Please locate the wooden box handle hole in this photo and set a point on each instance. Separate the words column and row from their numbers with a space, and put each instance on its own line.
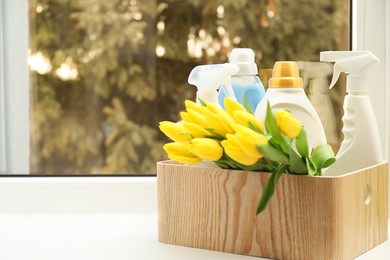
column 367, row 194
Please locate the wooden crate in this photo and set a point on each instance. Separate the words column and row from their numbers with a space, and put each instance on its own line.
column 308, row 217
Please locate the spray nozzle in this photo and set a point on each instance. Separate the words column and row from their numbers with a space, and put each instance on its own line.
column 353, row 63
column 213, row 76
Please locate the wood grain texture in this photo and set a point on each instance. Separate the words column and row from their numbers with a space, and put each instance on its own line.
column 308, row 217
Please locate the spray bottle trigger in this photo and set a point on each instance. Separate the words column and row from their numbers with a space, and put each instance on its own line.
column 337, row 69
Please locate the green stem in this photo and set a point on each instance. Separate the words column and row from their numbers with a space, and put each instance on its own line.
column 269, row 188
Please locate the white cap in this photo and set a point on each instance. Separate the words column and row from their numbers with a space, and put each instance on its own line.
column 245, row 59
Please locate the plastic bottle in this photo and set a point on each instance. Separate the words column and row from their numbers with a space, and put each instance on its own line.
column 285, row 91
column 361, row 146
column 246, row 82
column 209, row 78
column 315, row 82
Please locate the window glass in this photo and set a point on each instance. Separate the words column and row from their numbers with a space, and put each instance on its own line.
column 105, row 72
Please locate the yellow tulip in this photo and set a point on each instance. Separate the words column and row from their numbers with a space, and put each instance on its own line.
column 193, row 106
column 196, row 130
column 206, row 149
column 231, row 106
column 288, row 124
column 192, row 116
column 244, row 118
column 249, row 139
column 180, row 152
column 237, row 154
column 175, row 131
column 241, row 146
column 218, row 120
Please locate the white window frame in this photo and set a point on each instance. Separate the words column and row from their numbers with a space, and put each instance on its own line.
column 371, row 31
column 14, row 87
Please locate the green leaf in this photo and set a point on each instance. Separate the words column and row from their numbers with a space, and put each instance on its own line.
column 272, row 129
column 222, row 164
column 216, row 135
column 202, row 102
column 297, row 163
column 311, row 167
column 260, row 165
column 247, row 107
column 233, row 165
column 272, row 154
column 227, row 162
column 301, row 143
column 254, row 128
column 323, row 157
column 269, row 188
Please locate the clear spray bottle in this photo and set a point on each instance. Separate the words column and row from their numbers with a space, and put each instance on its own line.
column 209, row 78
column 315, row 82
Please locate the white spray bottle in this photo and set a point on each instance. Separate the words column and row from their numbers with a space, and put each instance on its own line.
column 361, row 146
column 209, row 78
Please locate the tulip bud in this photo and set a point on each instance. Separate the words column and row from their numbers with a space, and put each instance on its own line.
column 180, row 152
column 175, row 131
column 193, row 106
column 218, row 120
column 206, row 149
column 231, row 106
column 288, row 124
column 242, row 146
column 192, row 116
column 246, row 119
column 196, row 131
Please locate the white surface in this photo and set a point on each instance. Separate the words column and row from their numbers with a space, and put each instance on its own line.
column 93, row 218
column 102, row 236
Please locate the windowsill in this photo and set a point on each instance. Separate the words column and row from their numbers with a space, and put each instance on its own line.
column 92, row 218
column 45, row 195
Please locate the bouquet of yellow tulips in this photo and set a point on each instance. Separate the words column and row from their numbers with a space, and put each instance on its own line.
column 236, row 139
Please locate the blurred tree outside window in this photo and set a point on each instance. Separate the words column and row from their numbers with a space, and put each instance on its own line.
column 105, row 72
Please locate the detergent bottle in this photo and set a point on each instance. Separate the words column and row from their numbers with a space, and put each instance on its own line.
column 285, row 91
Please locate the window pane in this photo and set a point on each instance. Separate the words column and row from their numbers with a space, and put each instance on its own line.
column 105, row 72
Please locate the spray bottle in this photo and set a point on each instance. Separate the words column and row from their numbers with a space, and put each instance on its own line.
column 209, row 78
column 361, row 146
column 285, row 91
column 315, row 82
column 246, row 82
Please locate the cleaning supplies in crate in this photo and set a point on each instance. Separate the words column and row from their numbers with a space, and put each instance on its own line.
column 361, row 146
